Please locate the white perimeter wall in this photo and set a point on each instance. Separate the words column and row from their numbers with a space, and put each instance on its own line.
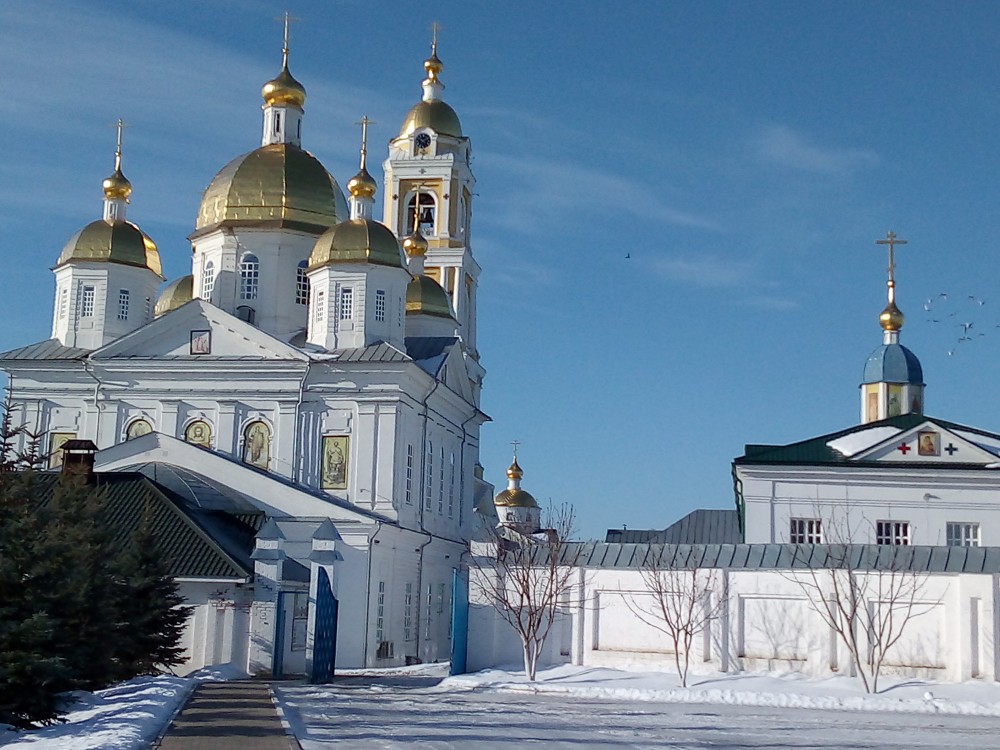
column 764, row 620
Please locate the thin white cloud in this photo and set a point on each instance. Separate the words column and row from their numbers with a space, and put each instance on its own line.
column 706, row 271
column 785, row 147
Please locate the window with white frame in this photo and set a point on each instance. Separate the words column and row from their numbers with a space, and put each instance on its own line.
column 892, row 532
column 320, row 310
column 806, row 531
column 346, row 303
column 429, row 475
column 379, row 305
column 440, row 606
column 208, row 280
column 409, row 474
column 123, row 304
column 427, row 611
column 451, row 488
column 63, row 302
column 963, row 534
column 302, row 284
column 87, row 302
column 249, row 277
column 408, row 612
column 380, row 613
column 441, row 484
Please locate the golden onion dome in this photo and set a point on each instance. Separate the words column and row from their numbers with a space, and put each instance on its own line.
column 891, row 318
column 175, row 294
column 424, row 296
column 112, row 242
column 433, row 65
column 283, row 90
column 414, row 245
column 117, row 186
column 362, row 185
column 514, row 471
column 436, row 115
column 357, row 241
column 275, row 185
column 515, row 498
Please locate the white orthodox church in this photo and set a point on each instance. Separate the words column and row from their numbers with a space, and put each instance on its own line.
column 312, row 388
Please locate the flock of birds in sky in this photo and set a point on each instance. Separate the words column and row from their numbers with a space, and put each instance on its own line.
column 964, row 321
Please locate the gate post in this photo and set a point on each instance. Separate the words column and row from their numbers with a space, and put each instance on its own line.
column 321, row 631
column 266, row 641
column 459, row 622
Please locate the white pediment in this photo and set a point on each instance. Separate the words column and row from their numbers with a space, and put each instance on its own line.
column 456, row 374
column 198, row 330
column 930, row 443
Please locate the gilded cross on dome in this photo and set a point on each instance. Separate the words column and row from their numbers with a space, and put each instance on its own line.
column 288, row 19
column 891, row 240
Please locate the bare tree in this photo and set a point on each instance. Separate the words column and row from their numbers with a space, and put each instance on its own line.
column 680, row 598
column 526, row 579
column 865, row 594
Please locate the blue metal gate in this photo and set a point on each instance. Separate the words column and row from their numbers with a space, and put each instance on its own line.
column 459, row 622
column 325, row 643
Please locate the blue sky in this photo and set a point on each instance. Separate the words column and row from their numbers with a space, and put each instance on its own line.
column 745, row 156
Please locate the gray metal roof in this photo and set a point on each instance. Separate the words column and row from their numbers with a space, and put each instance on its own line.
column 380, row 352
column 921, row 559
column 428, row 347
column 48, row 349
column 703, row 526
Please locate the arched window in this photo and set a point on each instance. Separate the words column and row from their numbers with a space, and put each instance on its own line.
column 208, row 280
column 249, row 276
column 302, row 284
column 199, row 432
column 257, row 444
column 138, row 428
column 428, row 213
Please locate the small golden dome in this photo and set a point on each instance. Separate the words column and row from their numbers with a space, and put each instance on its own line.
column 436, row 115
column 112, row 242
column 357, row 241
column 283, row 90
column 891, row 318
column 515, row 498
column 414, row 245
column 433, row 66
column 362, row 185
column 175, row 294
column 117, row 186
column 514, row 471
column 274, row 185
column 424, row 296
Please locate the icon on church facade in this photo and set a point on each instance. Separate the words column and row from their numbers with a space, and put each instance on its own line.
column 928, row 443
column 56, row 443
column 257, row 445
column 199, row 433
column 334, row 471
column 201, row 342
column 138, row 428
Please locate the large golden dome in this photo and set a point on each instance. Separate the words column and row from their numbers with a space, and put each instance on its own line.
column 436, row 115
column 113, row 242
column 515, row 498
column 274, row 185
column 424, row 296
column 357, row 241
column 176, row 293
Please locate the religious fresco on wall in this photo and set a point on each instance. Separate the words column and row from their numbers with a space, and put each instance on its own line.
column 257, row 444
column 928, row 443
column 199, row 432
column 334, row 470
column 56, row 442
column 138, row 428
column 895, row 400
column 871, row 403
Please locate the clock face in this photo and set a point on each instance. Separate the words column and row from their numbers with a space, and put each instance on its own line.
column 422, row 140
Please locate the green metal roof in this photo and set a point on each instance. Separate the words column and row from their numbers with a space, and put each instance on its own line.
column 189, row 539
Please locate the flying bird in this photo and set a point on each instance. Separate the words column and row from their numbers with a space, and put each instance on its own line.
column 966, row 326
column 979, row 302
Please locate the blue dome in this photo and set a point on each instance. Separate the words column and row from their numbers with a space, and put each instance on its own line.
column 893, row 363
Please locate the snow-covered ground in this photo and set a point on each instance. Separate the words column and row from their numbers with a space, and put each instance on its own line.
column 567, row 706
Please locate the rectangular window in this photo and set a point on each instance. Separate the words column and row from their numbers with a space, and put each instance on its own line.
column 87, row 302
column 440, row 598
column 346, row 303
column 249, row 277
column 123, row 304
column 379, row 306
column 63, row 302
column 408, row 613
column 319, row 312
column 380, row 613
column 301, row 284
column 441, row 485
column 451, row 489
column 427, row 611
column 409, row 474
column 892, row 532
column 429, row 476
column 806, row 531
column 963, row 534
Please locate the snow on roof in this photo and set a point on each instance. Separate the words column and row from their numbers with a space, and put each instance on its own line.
column 855, row 442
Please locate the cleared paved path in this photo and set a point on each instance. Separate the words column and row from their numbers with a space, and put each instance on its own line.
column 227, row 716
